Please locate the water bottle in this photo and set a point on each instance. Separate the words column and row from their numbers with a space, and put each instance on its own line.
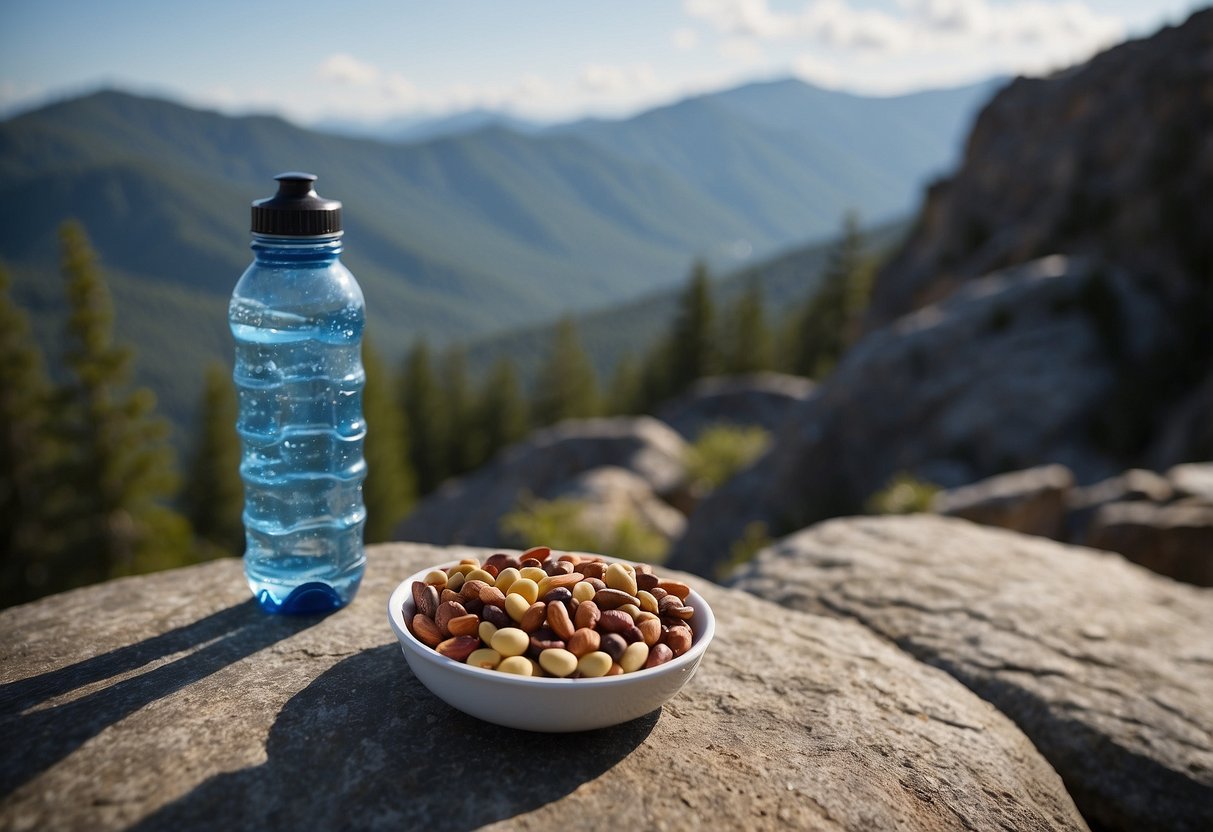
column 297, row 316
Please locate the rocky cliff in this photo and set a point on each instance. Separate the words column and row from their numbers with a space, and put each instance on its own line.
column 1052, row 305
column 1112, row 160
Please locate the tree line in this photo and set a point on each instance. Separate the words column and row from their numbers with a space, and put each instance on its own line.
column 90, row 488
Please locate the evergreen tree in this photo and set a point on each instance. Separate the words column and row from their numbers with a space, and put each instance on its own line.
column 567, row 386
column 501, row 411
column 390, row 488
column 751, row 347
column 26, row 454
column 463, row 443
column 625, row 395
column 214, row 494
column 119, row 465
column 422, row 403
column 829, row 320
column 692, row 348
column 656, row 383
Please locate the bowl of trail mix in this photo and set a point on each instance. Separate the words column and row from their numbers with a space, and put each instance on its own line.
column 548, row 641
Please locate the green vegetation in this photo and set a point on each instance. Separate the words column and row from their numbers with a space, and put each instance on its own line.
column 903, row 494
column 723, row 450
column 829, row 320
column 390, row 488
column 754, row 539
column 567, row 386
column 214, row 496
column 27, row 457
column 559, row 524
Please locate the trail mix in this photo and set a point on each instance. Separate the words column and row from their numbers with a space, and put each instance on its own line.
column 572, row 616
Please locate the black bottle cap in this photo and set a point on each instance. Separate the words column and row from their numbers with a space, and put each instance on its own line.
column 296, row 210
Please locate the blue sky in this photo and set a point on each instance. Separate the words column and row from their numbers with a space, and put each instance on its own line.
column 374, row 59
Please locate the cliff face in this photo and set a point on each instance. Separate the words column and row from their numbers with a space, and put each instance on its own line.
column 986, row 352
column 1113, row 158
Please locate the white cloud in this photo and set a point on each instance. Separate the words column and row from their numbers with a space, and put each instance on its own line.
column 920, row 24
column 685, row 39
column 346, row 69
column 915, row 42
column 611, row 79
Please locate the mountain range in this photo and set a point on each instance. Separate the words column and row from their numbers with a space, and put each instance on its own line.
column 458, row 236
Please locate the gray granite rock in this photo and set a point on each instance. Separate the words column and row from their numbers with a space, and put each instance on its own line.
column 169, row 702
column 1106, row 666
column 1129, row 486
column 760, row 400
column 1032, row 501
column 612, row 495
column 1193, row 479
column 468, row 510
column 1006, row 373
column 1172, row 540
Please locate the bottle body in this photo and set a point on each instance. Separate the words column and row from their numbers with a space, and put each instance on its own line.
column 297, row 316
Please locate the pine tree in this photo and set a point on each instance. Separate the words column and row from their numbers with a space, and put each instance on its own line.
column 501, row 411
column 829, row 320
column 214, row 494
column 26, row 453
column 390, row 488
column 422, row 403
column 625, row 395
column 120, row 465
column 464, row 444
column 567, row 386
column 751, row 347
column 692, row 348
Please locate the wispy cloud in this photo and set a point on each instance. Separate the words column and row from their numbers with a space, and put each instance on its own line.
column 838, row 23
column 840, row 40
column 346, row 69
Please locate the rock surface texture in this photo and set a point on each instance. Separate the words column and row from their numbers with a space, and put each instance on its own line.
column 1032, row 501
column 170, row 702
column 761, row 400
column 1107, row 667
column 469, row 510
column 1174, row 540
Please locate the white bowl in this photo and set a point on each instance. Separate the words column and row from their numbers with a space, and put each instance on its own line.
column 543, row 703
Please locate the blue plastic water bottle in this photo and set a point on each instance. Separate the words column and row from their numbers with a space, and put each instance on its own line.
column 297, row 316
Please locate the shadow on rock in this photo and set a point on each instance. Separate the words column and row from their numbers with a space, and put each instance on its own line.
column 42, row 736
column 367, row 746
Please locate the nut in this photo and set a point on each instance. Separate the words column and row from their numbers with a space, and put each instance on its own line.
column 614, row 621
column 587, row 615
column 610, row 599
column 534, row 617
column 446, row 611
column 558, row 619
column 678, row 639
column 464, row 625
column 425, row 598
column 583, row 642
column 426, row 630
column 658, row 655
column 459, row 647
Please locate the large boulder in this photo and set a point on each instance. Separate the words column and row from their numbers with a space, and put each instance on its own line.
column 1129, row 486
column 1172, row 540
column 169, row 701
column 1032, row 501
column 1193, row 479
column 1010, row 372
column 469, row 509
column 759, row 400
column 612, row 496
column 1106, row 666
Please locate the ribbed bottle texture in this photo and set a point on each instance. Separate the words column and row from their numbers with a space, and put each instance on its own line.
column 297, row 316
